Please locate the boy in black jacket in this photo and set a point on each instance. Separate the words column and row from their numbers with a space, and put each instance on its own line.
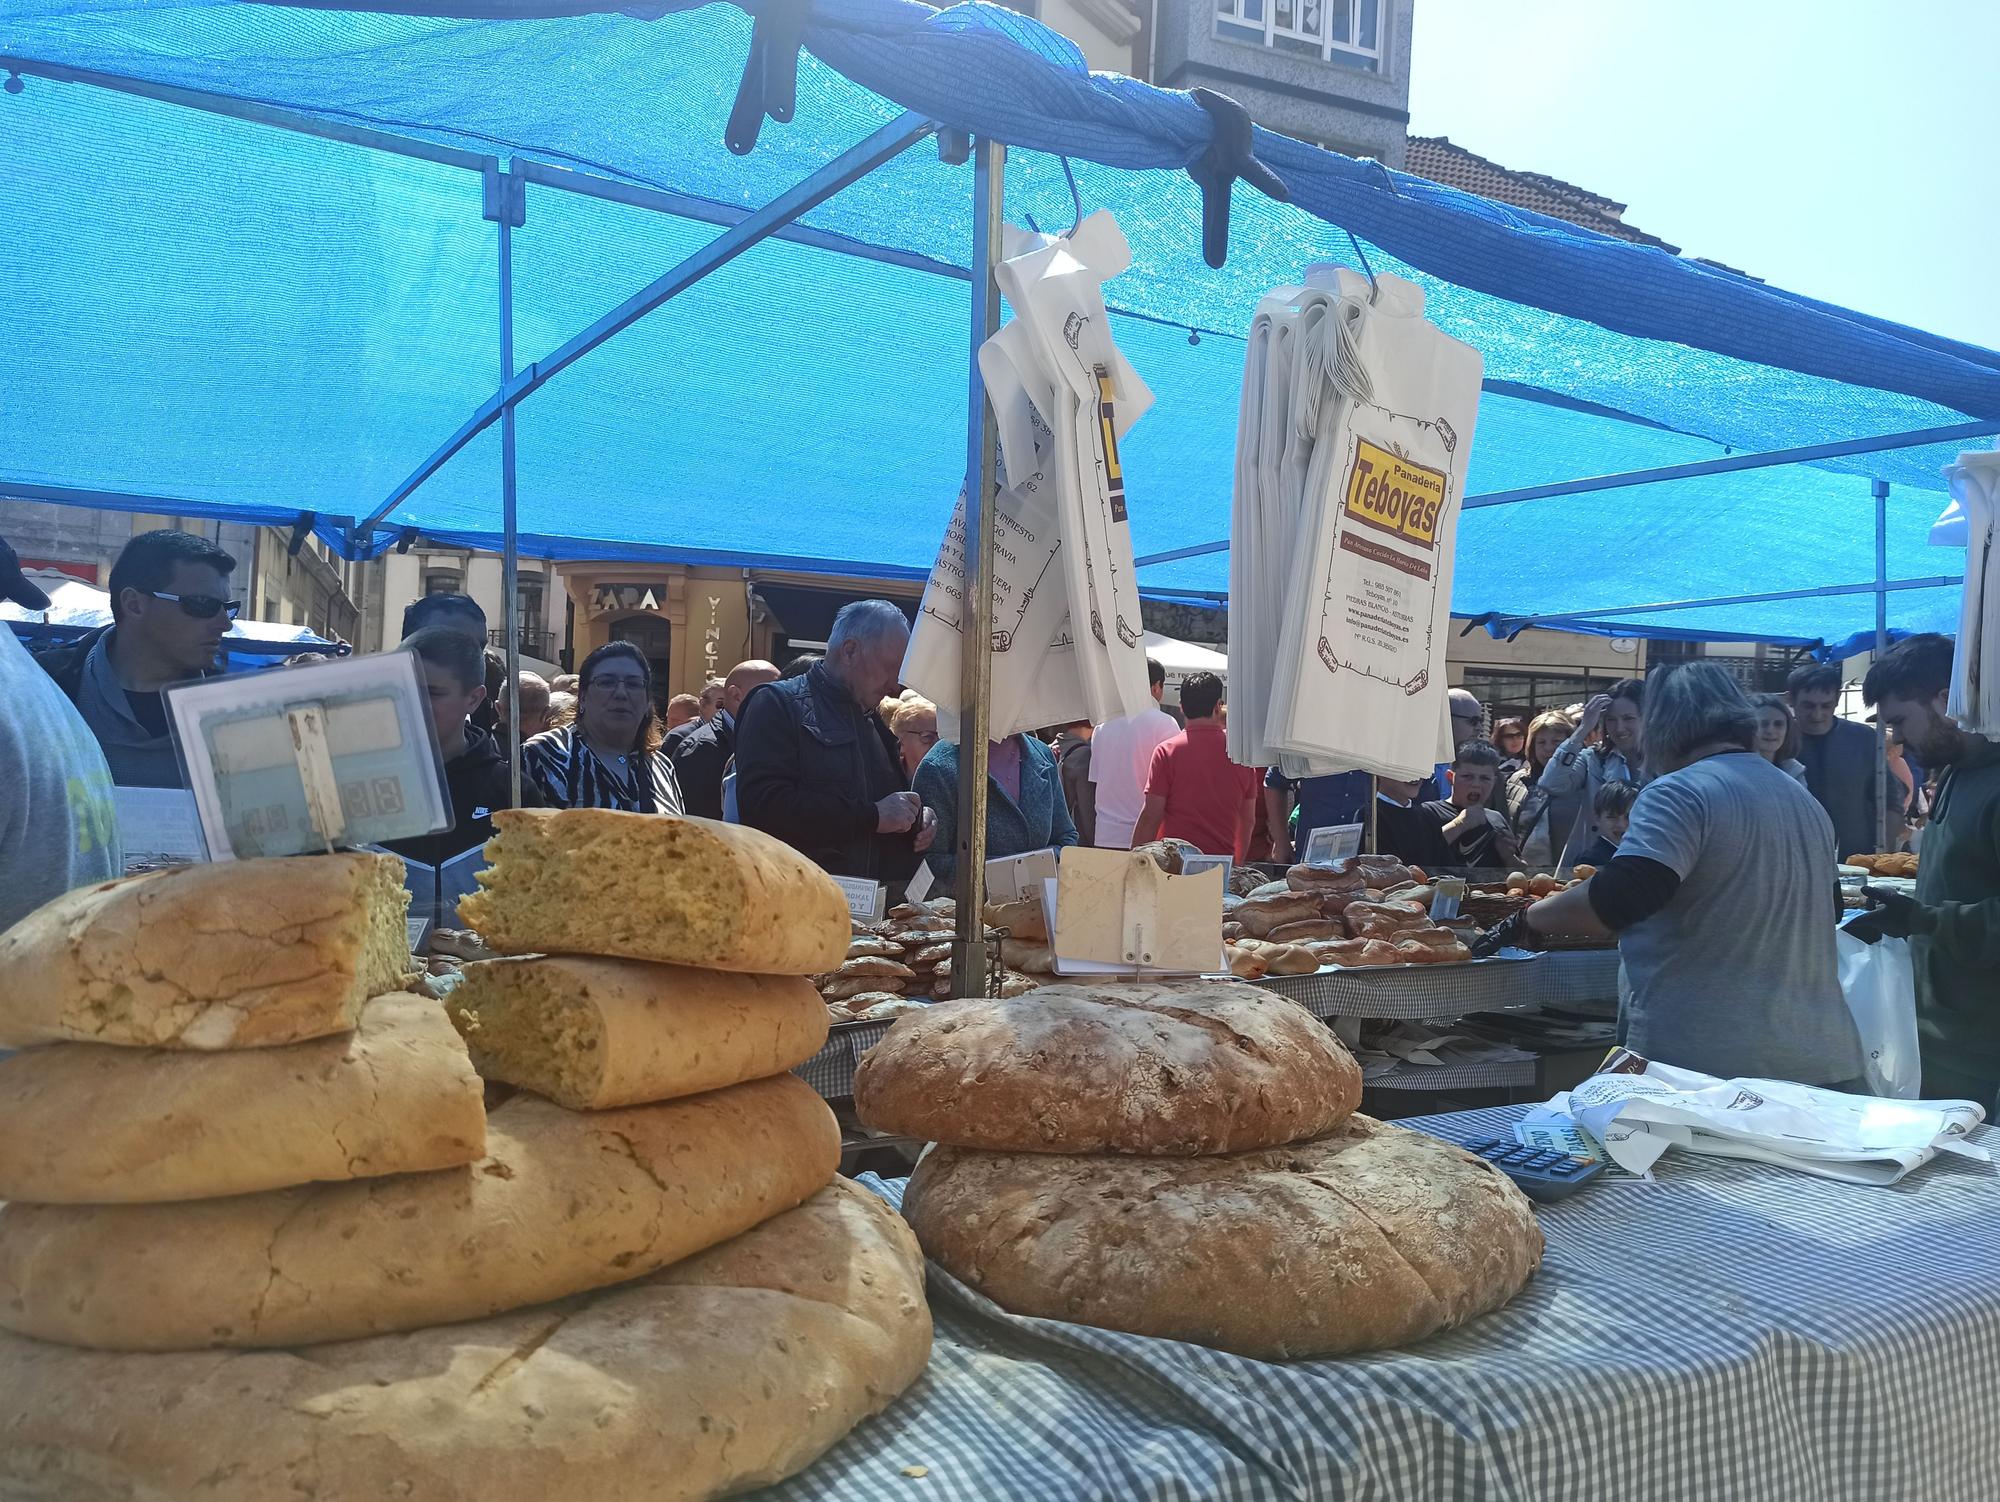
column 475, row 770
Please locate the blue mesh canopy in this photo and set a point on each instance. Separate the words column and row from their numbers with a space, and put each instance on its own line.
column 209, row 315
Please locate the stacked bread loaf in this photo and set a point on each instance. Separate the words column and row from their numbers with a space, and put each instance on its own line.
column 903, row 961
column 663, row 1124
column 1366, row 910
column 1183, row 1160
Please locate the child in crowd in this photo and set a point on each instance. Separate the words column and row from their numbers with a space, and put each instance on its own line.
column 1612, row 804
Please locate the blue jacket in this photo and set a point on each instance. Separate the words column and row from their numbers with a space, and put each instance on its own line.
column 1040, row 820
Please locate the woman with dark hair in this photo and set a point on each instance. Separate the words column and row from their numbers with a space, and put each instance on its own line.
column 1510, row 739
column 610, row 756
column 1778, row 734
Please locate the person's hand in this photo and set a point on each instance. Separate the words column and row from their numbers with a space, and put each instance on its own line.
column 1594, row 711
column 897, row 813
column 1281, row 851
column 1890, row 915
column 1510, row 933
column 926, row 832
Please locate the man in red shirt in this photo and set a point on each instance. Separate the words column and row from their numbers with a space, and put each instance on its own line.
column 1194, row 792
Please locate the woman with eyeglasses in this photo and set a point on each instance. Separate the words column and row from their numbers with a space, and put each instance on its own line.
column 913, row 720
column 609, row 757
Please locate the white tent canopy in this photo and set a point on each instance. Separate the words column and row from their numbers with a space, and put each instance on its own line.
column 1181, row 658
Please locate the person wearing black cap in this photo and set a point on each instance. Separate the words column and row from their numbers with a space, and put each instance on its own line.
column 58, row 820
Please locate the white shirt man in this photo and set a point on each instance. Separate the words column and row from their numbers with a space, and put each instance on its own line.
column 1121, row 754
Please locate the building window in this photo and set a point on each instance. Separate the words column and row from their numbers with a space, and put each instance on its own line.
column 1347, row 32
column 444, row 581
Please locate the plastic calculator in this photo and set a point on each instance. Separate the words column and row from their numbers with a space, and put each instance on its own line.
column 1544, row 1176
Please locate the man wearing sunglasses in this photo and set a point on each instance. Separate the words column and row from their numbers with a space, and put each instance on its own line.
column 170, row 606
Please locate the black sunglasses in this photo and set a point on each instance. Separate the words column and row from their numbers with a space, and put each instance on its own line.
column 201, row 607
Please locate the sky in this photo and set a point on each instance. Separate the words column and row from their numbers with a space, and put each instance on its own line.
column 1848, row 151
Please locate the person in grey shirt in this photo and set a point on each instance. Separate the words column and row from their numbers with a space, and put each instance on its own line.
column 1723, row 896
column 58, row 819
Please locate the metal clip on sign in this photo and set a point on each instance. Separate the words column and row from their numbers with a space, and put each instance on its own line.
column 770, row 85
column 1215, row 171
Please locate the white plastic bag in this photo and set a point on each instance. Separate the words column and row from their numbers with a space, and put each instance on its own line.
column 1879, row 981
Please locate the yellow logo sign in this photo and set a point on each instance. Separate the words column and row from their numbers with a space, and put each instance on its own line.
column 1395, row 496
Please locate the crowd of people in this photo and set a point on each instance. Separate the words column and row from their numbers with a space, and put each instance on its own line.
column 1710, row 816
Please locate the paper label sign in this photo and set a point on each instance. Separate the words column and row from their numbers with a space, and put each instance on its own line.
column 919, row 886
column 1194, row 865
column 1392, row 494
column 158, row 827
column 865, row 898
column 417, row 927
column 291, row 760
column 1332, row 842
column 1009, row 878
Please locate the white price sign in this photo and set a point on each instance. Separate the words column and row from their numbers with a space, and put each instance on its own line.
column 865, row 898
column 1333, row 842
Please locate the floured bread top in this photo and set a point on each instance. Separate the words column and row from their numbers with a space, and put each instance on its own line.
column 1168, row 1068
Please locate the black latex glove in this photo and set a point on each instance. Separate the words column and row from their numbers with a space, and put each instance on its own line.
column 1890, row 915
column 1511, row 933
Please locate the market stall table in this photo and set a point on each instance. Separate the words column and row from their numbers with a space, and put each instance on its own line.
column 1733, row 1330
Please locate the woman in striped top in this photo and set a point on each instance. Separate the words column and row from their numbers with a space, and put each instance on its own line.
column 610, row 757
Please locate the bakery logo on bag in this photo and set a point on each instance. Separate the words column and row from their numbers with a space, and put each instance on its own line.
column 1393, row 495
column 1114, row 468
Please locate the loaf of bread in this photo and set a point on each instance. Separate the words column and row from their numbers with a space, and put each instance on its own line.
column 563, row 1202
column 679, row 891
column 1307, row 928
column 1369, row 1238
column 82, row 1123
column 239, row 954
column 1141, row 1067
column 591, row 1034
column 1339, row 879
column 1381, row 920
column 1259, row 915
column 729, row 1371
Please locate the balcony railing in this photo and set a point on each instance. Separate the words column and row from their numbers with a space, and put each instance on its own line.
column 534, row 643
column 1348, row 32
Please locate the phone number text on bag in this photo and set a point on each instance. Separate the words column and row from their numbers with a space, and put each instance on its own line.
column 1393, row 495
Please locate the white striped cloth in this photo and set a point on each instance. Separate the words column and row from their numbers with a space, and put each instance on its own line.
column 1733, row 1331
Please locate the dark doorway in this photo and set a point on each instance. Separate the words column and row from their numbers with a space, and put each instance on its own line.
column 654, row 637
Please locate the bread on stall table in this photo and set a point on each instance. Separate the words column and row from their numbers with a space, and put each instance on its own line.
column 238, row 954
column 679, row 891
column 83, row 1123
column 564, row 1201
column 591, row 1033
column 1143, row 1067
column 730, row 1370
column 1366, row 1238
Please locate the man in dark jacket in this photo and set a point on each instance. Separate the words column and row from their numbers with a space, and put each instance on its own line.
column 475, row 770
column 1073, row 757
column 170, row 608
column 816, row 766
column 701, row 756
column 1953, row 922
column 1839, row 757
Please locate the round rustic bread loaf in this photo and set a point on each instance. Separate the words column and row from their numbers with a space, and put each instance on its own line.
column 1368, row 1238
column 728, row 1371
column 1148, row 1067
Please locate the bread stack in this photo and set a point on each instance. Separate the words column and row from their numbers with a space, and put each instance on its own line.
column 484, row 1333
column 1183, row 1160
column 903, row 961
column 1367, row 910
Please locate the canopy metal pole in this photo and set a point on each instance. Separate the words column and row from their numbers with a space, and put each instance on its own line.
column 506, row 203
column 1881, row 491
column 968, row 953
column 801, row 198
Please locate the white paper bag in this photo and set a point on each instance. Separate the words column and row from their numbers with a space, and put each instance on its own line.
column 1062, row 396
column 1359, row 675
column 1879, row 981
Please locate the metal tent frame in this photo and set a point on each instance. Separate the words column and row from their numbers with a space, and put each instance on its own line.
column 504, row 203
